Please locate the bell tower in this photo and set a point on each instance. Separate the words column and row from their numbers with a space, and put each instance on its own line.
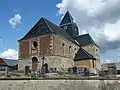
column 70, row 26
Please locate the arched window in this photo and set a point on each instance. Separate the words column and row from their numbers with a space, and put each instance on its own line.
column 70, row 51
column 63, row 50
column 63, row 45
column 75, row 48
column 93, row 63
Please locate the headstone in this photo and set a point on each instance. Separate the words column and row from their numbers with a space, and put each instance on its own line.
column 74, row 70
column 70, row 70
column 43, row 71
column 6, row 71
column 86, row 72
column 53, row 70
column 46, row 67
column 112, row 70
column 27, row 69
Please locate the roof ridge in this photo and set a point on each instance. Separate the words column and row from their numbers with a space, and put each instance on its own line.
column 92, row 40
column 89, row 39
column 30, row 29
column 90, row 55
column 66, row 35
column 11, row 59
column 45, row 20
column 82, row 35
column 70, row 15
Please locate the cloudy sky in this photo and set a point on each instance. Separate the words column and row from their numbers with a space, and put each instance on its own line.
column 100, row 18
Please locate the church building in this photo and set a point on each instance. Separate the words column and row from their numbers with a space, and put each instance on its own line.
column 59, row 47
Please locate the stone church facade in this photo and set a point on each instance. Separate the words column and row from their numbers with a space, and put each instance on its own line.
column 59, row 47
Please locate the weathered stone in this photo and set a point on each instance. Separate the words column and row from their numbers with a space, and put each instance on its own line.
column 59, row 85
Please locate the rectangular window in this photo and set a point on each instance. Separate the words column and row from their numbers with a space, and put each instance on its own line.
column 65, row 27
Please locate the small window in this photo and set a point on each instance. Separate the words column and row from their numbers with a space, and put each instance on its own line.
column 65, row 27
column 75, row 54
column 35, row 44
column 70, row 47
column 63, row 44
column 75, row 29
column 96, row 49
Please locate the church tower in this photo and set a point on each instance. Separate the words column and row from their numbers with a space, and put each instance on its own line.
column 70, row 26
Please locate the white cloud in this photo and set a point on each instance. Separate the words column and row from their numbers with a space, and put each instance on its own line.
column 1, row 41
column 9, row 54
column 112, row 31
column 100, row 18
column 106, row 61
column 109, row 61
column 15, row 20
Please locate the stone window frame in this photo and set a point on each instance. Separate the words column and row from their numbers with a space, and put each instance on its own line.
column 34, row 46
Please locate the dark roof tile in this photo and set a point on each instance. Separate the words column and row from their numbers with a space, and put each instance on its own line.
column 40, row 28
column 85, row 39
column 83, row 55
column 67, row 18
column 44, row 26
column 9, row 62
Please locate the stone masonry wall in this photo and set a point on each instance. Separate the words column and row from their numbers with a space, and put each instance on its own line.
column 52, row 61
column 84, row 63
column 58, row 51
column 59, row 85
column 94, row 50
column 63, row 47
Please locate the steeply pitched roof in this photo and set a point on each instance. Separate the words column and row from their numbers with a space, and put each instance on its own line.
column 67, row 18
column 85, row 39
column 44, row 26
column 83, row 55
column 40, row 28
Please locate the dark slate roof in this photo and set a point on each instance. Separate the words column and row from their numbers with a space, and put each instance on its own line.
column 44, row 26
column 40, row 28
column 67, row 18
column 85, row 39
column 9, row 62
column 83, row 55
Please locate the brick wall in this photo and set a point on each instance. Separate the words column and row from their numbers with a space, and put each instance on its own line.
column 63, row 47
column 58, row 51
column 23, row 49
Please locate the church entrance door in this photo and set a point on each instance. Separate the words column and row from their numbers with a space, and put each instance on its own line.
column 34, row 63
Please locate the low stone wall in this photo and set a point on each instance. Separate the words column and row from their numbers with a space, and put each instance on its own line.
column 59, row 84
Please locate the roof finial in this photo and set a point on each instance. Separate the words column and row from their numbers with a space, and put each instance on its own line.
column 67, row 8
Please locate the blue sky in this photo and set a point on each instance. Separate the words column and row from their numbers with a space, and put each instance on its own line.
column 99, row 18
column 30, row 12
